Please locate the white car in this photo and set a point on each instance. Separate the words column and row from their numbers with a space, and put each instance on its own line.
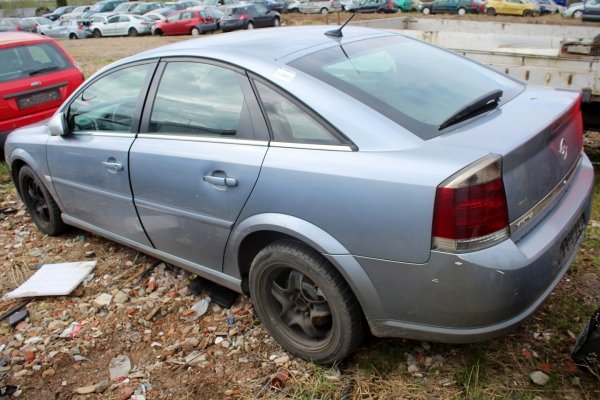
column 121, row 25
column 575, row 10
column 319, row 6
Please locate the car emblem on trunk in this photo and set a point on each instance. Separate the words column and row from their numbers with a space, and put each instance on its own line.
column 563, row 149
column 36, row 83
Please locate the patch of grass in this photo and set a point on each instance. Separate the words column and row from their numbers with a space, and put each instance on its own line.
column 4, row 173
column 382, row 357
column 472, row 376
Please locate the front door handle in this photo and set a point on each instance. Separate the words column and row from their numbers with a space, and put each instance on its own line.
column 115, row 166
column 220, row 180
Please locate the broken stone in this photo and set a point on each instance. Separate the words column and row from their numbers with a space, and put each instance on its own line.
column 120, row 297
column 86, row 389
column 119, row 367
column 103, row 300
column 539, row 378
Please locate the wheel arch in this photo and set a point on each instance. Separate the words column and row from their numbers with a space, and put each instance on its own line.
column 258, row 231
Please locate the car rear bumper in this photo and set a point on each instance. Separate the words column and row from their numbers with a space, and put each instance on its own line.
column 460, row 298
column 14, row 123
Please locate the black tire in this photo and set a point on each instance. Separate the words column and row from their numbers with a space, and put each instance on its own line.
column 73, row 36
column 276, row 22
column 461, row 11
column 491, row 12
column 304, row 303
column 195, row 31
column 132, row 32
column 324, row 11
column 426, row 11
column 528, row 13
column 158, row 32
column 39, row 203
column 250, row 25
column 577, row 14
column 97, row 34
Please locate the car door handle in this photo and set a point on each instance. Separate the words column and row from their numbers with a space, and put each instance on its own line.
column 115, row 166
column 220, row 180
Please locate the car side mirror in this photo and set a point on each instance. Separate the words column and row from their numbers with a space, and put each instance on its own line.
column 57, row 125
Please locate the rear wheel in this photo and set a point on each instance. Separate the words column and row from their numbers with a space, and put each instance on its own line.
column 490, row 12
column 304, row 303
column 39, row 203
column 276, row 22
column 577, row 14
column 132, row 32
column 462, row 11
column 195, row 31
column 97, row 33
column 527, row 13
column 73, row 36
column 158, row 32
column 250, row 25
column 324, row 11
column 426, row 11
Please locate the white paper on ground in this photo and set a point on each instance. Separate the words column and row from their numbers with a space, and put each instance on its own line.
column 54, row 280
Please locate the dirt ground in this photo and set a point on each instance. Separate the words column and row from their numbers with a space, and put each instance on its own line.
column 64, row 348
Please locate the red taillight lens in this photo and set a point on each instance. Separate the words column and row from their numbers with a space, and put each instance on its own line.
column 470, row 209
column 18, row 28
column 473, row 5
column 390, row 5
column 80, row 27
column 243, row 17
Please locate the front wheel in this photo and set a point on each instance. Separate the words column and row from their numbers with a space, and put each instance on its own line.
column 97, row 33
column 132, row 32
column 304, row 302
column 276, row 22
column 462, row 11
column 250, row 25
column 577, row 14
column 426, row 11
column 491, row 12
column 39, row 203
column 73, row 36
column 528, row 13
column 195, row 32
column 324, row 11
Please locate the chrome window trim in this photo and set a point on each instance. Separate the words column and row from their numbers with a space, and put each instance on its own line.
column 308, row 146
column 105, row 134
column 208, row 139
column 534, row 211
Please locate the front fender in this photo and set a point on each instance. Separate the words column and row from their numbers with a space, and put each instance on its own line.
column 318, row 239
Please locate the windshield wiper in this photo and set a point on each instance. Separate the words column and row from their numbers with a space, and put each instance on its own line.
column 484, row 103
column 42, row 70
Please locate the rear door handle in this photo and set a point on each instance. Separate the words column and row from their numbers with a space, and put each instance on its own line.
column 220, row 180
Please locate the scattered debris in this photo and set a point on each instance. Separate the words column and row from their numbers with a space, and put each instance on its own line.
column 17, row 317
column 539, row 378
column 197, row 310
column 71, row 331
column 119, row 367
column 219, row 294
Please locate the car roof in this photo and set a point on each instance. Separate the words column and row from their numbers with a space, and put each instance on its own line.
column 9, row 39
column 266, row 44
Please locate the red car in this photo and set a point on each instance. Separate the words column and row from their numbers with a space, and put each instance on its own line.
column 185, row 22
column 36, row 75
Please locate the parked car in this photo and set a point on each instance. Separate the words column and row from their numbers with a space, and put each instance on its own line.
column 373, row 6
column 77, row 13
column 319, row 6
column 269, row 4
column 575, row 10
column 38, row 22
column 549, row 7
column 121, row 25
column 460, row 7
column 70, row 28
column 511, row 7
column 127, row 7
column 143, row 8
column 405, row 5
column 160, row 14
column 103, row 6
column 248, row 16
column 187, row 22
column 175, row 5
column 190, row 3
column 17, row 24
column 36, row 75
column 447, row 208
column 591, row 11
column 294, row 5
column 56, row 14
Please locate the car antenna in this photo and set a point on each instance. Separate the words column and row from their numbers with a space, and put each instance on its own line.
column 338, row 32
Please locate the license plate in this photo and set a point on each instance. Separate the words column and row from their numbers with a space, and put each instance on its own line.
column 38, row 98
column 569, row 241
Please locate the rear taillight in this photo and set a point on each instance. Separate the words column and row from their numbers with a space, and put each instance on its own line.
column 473, row 5
column 243, row 17
column 79, row 27
column 470, row 210
column 18, row 28
column 390, row 5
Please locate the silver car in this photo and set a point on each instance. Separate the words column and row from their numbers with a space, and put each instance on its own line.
column 347, row 181
column 319, row 6
column 70, row 28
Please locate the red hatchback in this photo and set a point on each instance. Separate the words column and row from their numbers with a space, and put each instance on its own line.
column 187, row 22
column 36, row 76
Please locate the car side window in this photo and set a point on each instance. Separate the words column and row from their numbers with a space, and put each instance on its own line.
column 290, row 123
column 200, row 99
column 123, row 18
column 174, row 17
column 187, row 15
column 109, row 104
column 114, row 19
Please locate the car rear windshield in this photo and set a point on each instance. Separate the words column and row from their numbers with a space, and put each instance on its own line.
column 29, row 61
column 236, row 11
column 412, row 83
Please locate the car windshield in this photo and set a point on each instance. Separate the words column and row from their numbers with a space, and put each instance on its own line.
column 98, row 7
column 412, row 83
column 26, row 61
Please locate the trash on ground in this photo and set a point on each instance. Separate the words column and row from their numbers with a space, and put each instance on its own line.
column 586, row 352
column 119, row 367
column 17, row 317
column 8, row 390
column 71, row 331
column 54, row 280
column 197, row 310
column 277, row 380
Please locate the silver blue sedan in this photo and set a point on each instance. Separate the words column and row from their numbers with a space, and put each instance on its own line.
column 349, row 182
